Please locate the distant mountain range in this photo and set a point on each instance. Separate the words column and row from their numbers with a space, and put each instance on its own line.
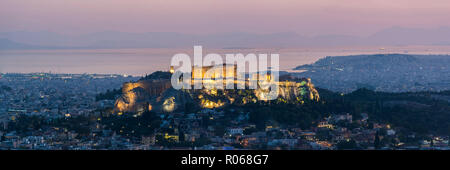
column 114, row 39
column 8, row 44
column 381, row 72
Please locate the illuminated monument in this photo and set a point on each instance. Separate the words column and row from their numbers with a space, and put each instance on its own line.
column 157, row 94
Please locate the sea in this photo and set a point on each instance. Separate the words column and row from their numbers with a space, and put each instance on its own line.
column 142, row 61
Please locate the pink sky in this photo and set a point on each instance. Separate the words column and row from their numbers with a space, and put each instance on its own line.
column 305, row 17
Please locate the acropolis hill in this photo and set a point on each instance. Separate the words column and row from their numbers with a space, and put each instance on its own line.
column 155, row 93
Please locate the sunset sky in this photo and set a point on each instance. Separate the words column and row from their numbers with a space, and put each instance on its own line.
column 305, row 17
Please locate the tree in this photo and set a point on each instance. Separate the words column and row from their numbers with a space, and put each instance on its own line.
column 249, row 131
column 181, row 136
column 219, row 130
column 376, row 143
column 346, row 145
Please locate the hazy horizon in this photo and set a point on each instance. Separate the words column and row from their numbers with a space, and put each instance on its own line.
column 346, row 26
column 49, row 24
column 395, row 36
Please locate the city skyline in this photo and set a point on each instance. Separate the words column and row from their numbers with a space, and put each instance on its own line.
column 224, row 83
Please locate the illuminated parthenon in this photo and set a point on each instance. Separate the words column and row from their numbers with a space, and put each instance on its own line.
column 208, row 75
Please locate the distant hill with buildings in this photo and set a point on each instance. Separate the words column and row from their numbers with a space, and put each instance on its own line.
column 381, row 72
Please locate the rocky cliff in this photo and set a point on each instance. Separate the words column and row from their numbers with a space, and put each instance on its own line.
column 157, row 95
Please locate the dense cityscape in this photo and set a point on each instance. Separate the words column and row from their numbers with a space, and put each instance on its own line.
column 45, row 111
